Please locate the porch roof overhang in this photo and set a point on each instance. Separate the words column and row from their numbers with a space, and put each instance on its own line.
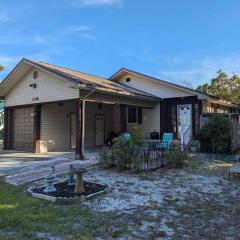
column 222, row 103
column 77, row 79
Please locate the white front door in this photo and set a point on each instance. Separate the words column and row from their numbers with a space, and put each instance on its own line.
column 99, row 130
column 73, row 130
column 184, row 117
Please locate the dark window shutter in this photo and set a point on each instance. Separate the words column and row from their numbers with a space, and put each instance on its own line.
column 123, row 118
column 139, row 115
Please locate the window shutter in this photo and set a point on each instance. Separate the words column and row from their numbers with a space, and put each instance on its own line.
column 139, row 115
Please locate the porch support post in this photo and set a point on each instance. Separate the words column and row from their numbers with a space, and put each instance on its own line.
column 5, row 130
column 7, row 139
column 83, row 124
column 37, row 128
column 123, row 118
column 78, row 150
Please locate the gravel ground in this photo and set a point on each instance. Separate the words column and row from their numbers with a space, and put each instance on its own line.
column 197, row 201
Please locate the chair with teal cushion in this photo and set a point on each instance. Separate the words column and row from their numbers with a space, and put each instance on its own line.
column 127, row 136
column 166, row 142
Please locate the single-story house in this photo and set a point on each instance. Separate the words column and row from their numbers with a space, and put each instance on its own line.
column 52, row 108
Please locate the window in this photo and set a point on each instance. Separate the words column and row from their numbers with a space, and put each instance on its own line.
column 128, row 79
column 132, row 115
column 35, row 74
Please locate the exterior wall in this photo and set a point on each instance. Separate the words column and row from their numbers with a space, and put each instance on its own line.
column 153, row 87
column 116, row 123
column 150, row 121
column 169, row 116
column 49, row 88
column 91, row 110
column 213, row 108
column 55, row 126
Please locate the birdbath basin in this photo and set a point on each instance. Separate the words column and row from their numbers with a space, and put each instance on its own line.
column 78, row 171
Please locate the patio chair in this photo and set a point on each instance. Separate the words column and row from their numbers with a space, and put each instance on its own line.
column 127, row 136
column 235, row 169
column 166, row 142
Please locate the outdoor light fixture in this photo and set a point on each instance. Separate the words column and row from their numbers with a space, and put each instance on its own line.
column 33, row 85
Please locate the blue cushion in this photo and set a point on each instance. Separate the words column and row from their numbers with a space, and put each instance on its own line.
column 127, row 136
column 166, row 142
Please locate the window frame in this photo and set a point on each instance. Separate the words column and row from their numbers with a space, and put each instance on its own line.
column 136, row 115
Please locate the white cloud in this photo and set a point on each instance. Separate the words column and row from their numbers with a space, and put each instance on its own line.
column 203, row 70
column 82, row 28
column 39, row 39
column 114, row 3
column 4, row 17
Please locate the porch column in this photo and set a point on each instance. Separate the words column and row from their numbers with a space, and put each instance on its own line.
column 123, row 118
column 7, row 139
column 78, row 150
column 37, row 128
column 83, row 125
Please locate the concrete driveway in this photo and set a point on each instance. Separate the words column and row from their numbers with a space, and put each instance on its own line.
column 25, row 167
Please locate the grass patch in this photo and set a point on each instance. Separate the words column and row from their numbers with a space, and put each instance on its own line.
column 23, row 217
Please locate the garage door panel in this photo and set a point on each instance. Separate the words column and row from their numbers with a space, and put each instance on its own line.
column 23, row 129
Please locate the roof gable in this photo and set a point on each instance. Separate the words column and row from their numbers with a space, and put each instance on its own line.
column 123, row 71
column 80, row 79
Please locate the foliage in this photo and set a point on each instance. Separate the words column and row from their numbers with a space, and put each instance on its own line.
column 24, row 217
column 175, row 158
column 214, row 136
column 123, row 153
column 223, row 87
column 1, row 67
column 105, row 157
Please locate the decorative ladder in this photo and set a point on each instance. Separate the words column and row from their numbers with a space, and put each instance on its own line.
column 185, row 136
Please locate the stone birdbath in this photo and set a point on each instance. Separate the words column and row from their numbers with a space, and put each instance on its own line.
column 78, row 171
column 50, row 180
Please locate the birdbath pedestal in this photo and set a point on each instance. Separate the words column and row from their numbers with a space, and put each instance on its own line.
column 78, row 171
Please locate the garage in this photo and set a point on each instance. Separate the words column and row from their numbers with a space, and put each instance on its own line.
column 23, row 120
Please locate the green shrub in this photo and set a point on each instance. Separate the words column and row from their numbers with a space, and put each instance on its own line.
column 123, row 153
column 105, row 157
column 175, row 158
column 214, row 136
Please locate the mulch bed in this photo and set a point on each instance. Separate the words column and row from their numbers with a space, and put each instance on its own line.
column 64, row 190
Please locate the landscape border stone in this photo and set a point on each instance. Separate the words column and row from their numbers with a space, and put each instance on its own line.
column 65, row 200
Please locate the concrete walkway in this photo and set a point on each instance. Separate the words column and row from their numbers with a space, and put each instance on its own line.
column 24, row 167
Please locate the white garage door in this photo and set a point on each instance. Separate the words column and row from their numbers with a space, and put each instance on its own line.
column 23, row 129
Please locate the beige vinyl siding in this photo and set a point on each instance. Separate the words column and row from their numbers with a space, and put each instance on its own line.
column 150, row 121
column 153, row 87
column 91, row 110
column 49, row 88
column 55, row 126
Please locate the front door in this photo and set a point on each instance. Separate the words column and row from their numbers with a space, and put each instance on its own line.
column 184, row 118
column 73, row 130
column 99, row 130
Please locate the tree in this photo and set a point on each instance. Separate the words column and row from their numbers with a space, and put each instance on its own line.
column 1, row 67
column 224, row 87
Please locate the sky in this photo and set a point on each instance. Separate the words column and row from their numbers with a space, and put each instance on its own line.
column 184, row 42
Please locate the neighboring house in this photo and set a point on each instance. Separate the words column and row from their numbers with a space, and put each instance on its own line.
column 51, row 108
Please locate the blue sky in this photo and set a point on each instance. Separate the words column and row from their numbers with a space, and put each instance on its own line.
column 174, row 40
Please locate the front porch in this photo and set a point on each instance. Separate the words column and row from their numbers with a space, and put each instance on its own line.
column 77, row 127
